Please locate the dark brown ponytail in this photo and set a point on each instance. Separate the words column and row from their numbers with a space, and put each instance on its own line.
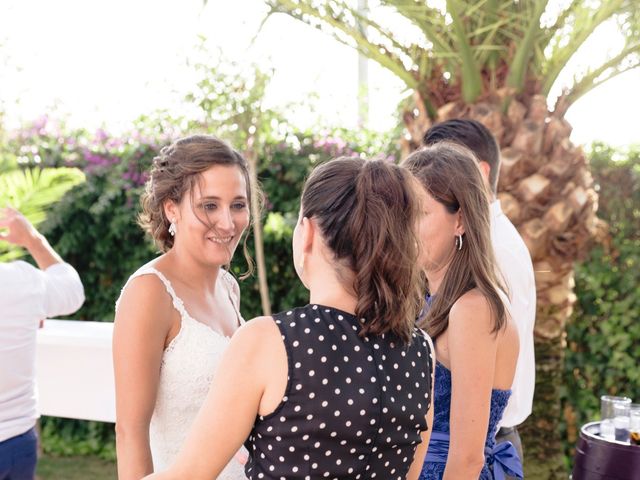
column 367, row 212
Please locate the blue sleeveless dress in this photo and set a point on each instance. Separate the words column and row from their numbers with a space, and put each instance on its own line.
column 433, row 468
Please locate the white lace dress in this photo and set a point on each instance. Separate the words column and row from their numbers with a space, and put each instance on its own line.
column 187, row 368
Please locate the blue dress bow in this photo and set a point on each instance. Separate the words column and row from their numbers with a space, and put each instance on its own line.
column 502, row 459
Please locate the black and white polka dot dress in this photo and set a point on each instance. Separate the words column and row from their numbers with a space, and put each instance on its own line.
column 354, row 407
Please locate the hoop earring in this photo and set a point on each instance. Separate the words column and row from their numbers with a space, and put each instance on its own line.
column 173, row 229
column 459, row 242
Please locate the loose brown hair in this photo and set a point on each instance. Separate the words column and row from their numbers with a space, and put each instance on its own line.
column 367, row 212
column 175, row 172
column 450, row 174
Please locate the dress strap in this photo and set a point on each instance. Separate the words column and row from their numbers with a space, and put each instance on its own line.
column 178, row 304
column 233, row 295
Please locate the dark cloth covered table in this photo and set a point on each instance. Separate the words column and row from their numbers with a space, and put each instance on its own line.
column 600, row 459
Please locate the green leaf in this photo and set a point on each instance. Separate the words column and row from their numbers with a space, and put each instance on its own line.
column 33, row 192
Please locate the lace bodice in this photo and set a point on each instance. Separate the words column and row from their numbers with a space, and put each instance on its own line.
column 188, row 365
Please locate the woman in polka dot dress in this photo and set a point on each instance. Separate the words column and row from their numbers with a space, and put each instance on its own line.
column 340, row 388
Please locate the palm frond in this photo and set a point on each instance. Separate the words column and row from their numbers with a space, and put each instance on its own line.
column 478, row 44
column 525, row 49
column 627, row 59
column 339, row 20
column 430, row 21
column 471, row 79
column 585, row 18
column 33, row 192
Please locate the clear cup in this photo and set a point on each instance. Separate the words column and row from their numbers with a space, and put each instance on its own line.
column 607, row 430
column 608, row 415
column 607, row 402
column 622, row 421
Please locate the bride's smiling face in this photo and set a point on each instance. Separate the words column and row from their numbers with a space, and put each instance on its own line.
column 211, row 217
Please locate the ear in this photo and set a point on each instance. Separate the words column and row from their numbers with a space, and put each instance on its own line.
column 309, row 229
column 485, row 170
column 459, row 227
column 171, row 210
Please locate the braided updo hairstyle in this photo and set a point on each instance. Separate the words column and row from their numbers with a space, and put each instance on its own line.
column 175, row 172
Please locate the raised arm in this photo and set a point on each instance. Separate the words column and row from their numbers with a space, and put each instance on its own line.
column 250, row 380
column 472, row 353
column 64, row 293
column 142, row 324
column 20, row 232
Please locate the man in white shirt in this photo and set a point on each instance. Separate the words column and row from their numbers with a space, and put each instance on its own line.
column 28, row 295
column 514, row 261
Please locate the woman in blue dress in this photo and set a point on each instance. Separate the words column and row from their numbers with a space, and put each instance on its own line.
column 475, row 339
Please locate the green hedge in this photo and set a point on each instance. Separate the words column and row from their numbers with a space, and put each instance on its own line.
column 603, row 337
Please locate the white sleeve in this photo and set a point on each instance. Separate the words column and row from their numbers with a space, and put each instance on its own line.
column 518, row 276
column 64, row 293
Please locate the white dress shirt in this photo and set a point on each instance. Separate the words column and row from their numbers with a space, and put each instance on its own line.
column 515, row 265
column 28, row 295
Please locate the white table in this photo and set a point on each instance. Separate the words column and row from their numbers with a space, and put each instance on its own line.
column 74, row 370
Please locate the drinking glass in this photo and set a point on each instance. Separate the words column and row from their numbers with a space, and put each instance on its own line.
column 607, row 414
column 621, row 421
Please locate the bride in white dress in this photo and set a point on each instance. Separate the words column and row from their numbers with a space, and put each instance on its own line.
column 176, row 314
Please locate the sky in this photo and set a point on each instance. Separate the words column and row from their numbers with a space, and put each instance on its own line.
column 105, row 63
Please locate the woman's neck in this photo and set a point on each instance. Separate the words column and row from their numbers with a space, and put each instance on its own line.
column 190, row 272
column 338, row 300
column 327, row 288
column 435, row 278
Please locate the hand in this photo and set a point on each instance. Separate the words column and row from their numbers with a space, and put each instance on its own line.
column 19, row 230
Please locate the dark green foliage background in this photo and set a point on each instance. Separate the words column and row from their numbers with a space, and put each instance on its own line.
column 603, row 338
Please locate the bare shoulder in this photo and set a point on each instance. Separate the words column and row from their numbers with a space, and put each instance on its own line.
column 471, row 314
column 145, row 296
column 472, row 302
column 258, row 342
column 145, row 288
column 258, row 330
